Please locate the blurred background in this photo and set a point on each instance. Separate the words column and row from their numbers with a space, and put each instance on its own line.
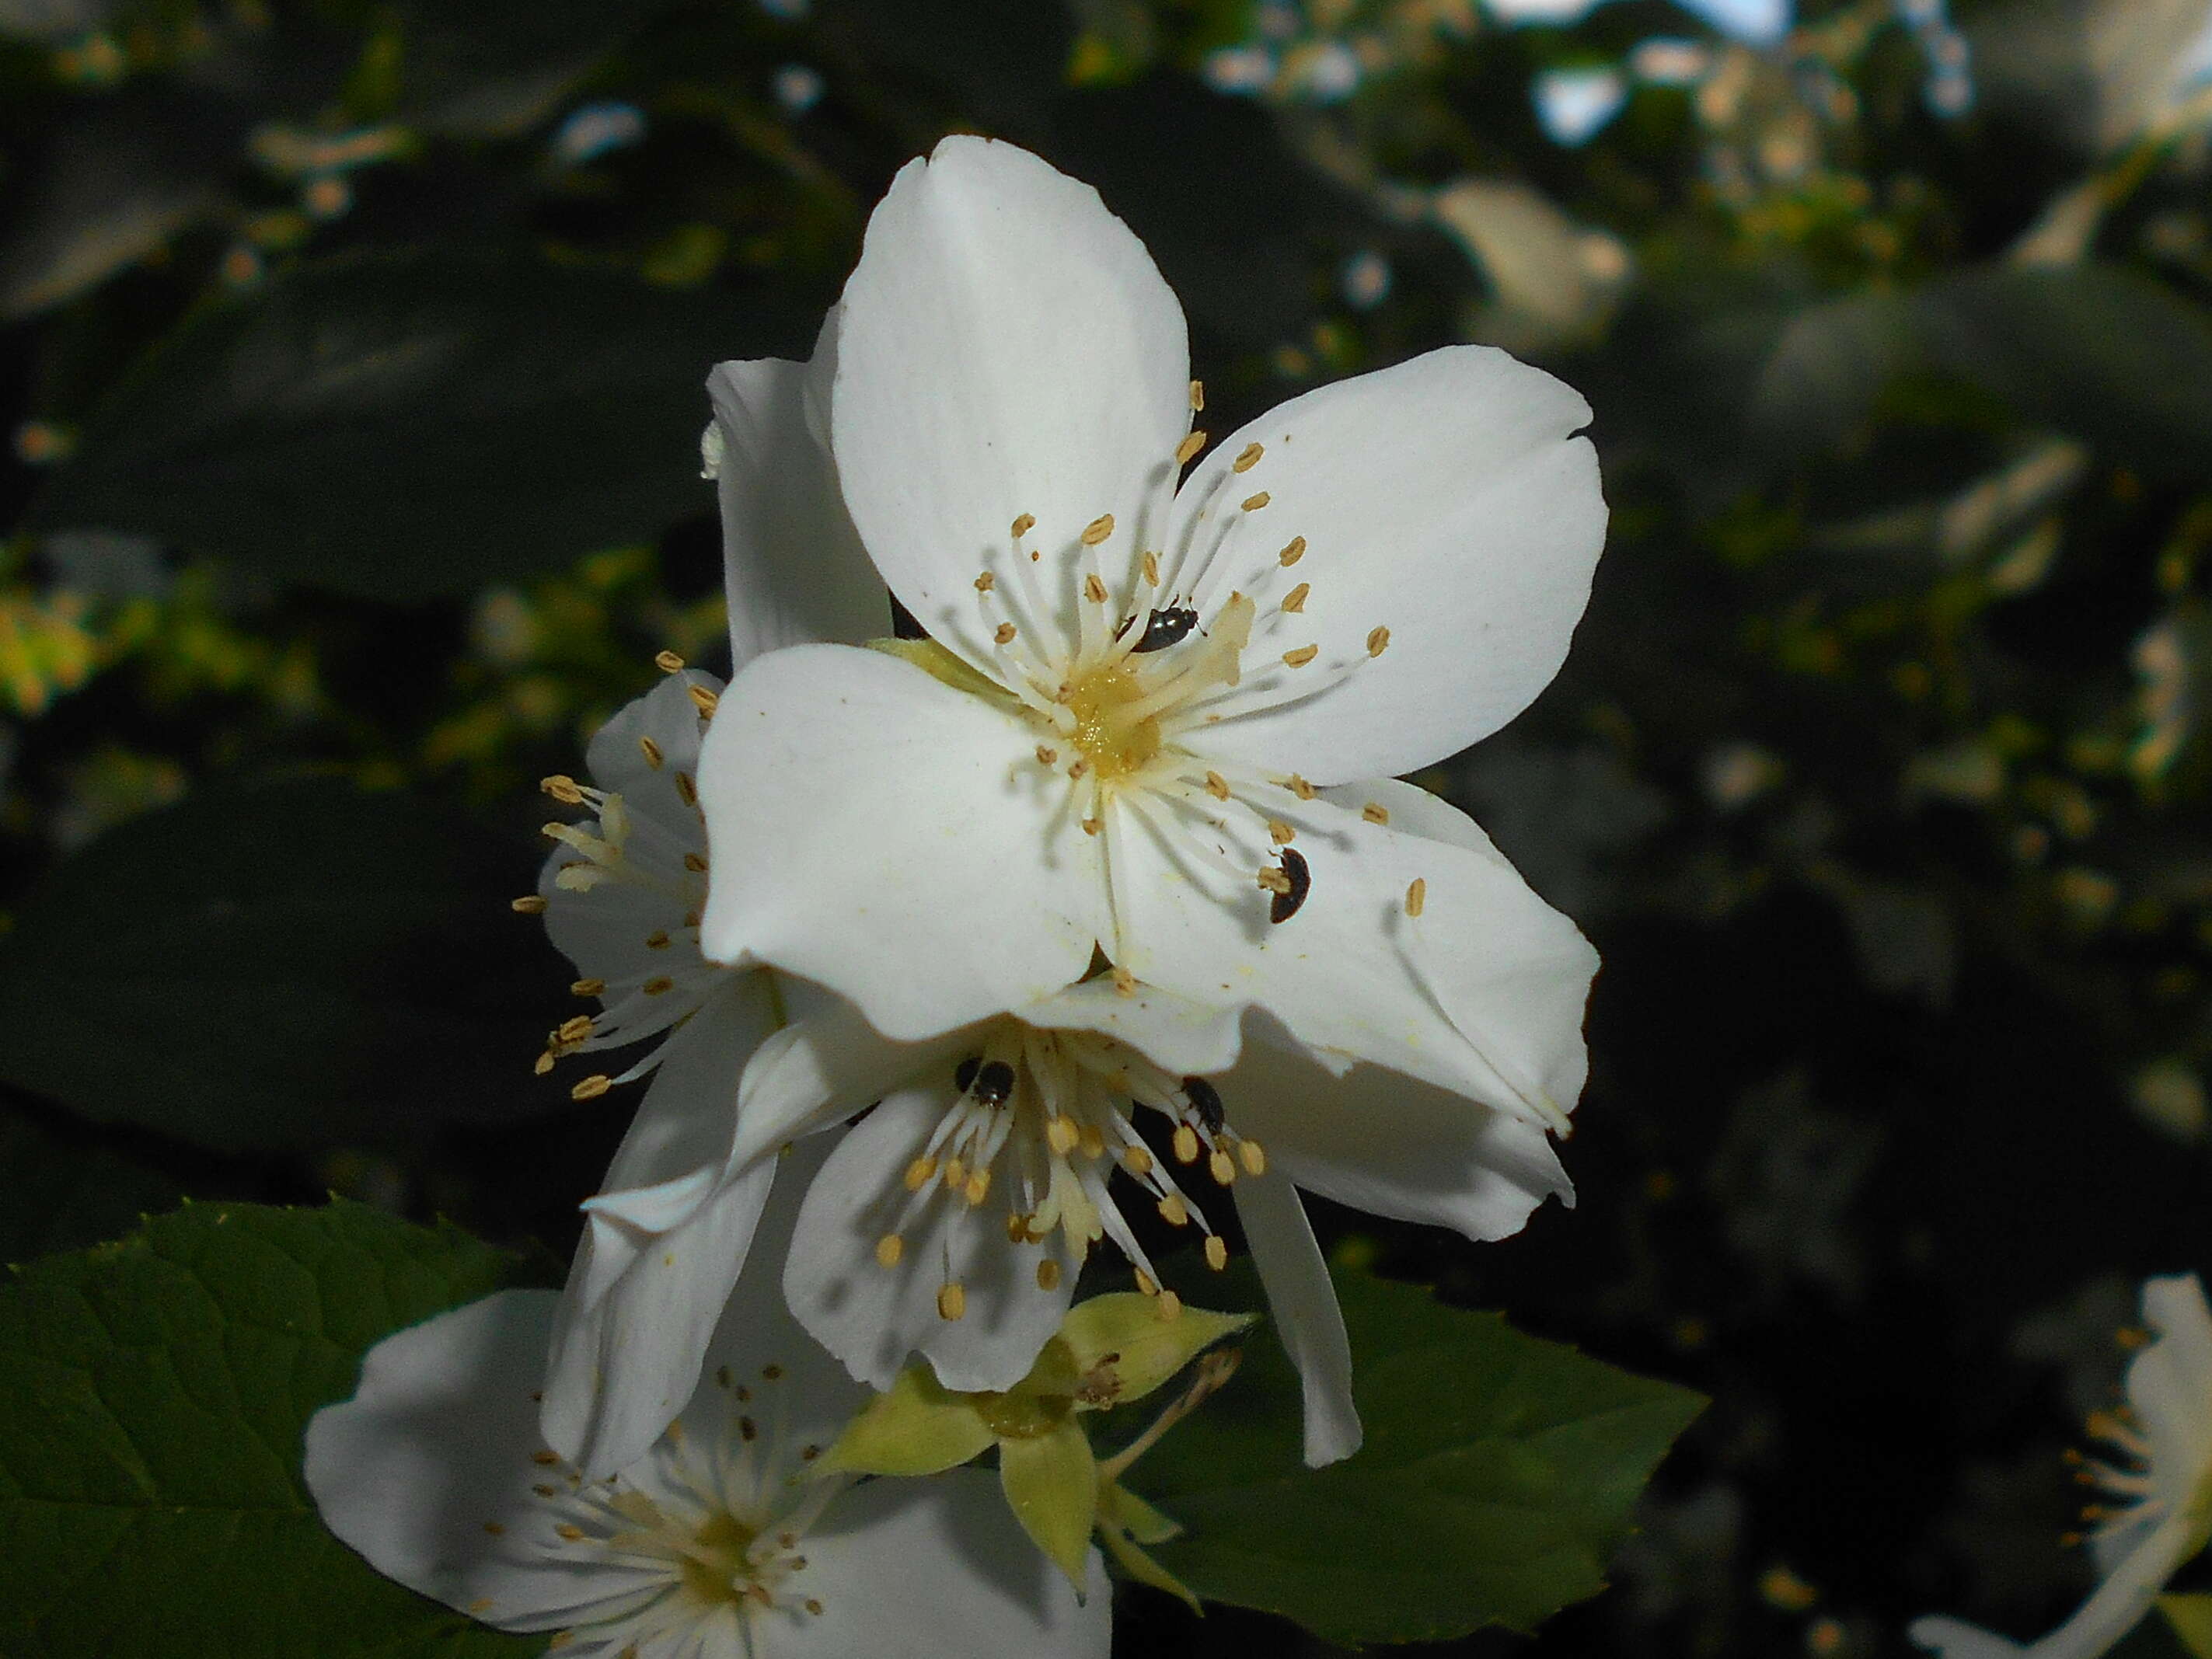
column 350, row 364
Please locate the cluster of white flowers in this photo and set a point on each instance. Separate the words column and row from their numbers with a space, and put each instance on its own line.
column 960, row 952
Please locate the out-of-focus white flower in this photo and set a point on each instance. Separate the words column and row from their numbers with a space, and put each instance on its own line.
column 2159, row 1479
column 1575, row 104
column 720, row 1543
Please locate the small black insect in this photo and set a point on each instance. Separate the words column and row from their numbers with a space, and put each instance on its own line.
column 1162, row 629
column 994, row 1083
column 963, row 1074
column 1206, row 1101
column 1284, row 905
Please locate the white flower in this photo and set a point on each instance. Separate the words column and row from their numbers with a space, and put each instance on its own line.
column 953, row 1220
column 1123, row 736
column 2161, row 1480
column 718, row 1544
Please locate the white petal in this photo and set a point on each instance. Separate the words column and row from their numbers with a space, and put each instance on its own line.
column 1444, row 499
column 1482, row 994
column 1174, row 1032
column 434, row 1448
column 1008, row 347
column 1302, row 1307
column 793, row 564
column 1392, row 1145
column 938, row 1569
column 1954, row 1638
column 2169, row 1383
column 822, row 1068
column 662, row 1246
column 876, row 1318
column 898, row 842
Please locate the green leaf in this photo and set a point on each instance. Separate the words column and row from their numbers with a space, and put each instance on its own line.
column 58, row 1195
column 1052, row 1485
column 289, row 962
column 401, row 425
column 152, row 1395
column 2191, row 1619
column 1494, row 1488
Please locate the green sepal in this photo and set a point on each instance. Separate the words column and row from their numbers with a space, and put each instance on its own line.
column 941, row 665
column 919, row 1427
column 1135, row 1563
column 1124, row 1350
column 1051, row 1483
column 2190, row 1618
column 1120, row 1509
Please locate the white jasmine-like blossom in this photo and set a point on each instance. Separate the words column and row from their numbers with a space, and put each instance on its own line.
column 1143, row 719
column 721, row 1542
column 2158, row 1479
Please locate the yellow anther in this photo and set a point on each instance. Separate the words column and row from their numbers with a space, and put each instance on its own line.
column 1253, row 503
column 668, row 662
column 1151, row 567
column 659, row 986
column 576, row 1029
column 1146, row 1283
column 1376, row 639
column 1004, row 634
column 1299, row 786
column 1023, row 525
column 695, row 864
column 1174, row 1211
column 919, row 1172
column 1417, row 895
column 588, row 988
column 1186, row 1143
column 1281, row 833
column 977, row 1189
column 703, row 700
column 1094, row 1143
column 985, row 582
column 686, row 787
column 1098, row 530
column 569, row 1531
column 1017, row 1229
column 952, row 1301
column 1253, row 1155
column 1170, row 1305
column 1093, row 589
column 1217, row 1251
column 1047, row 756
column 591, row 1087
column 1188, row 447
column 1295, row 600
column 657, row 939
column 1092, row 826
column 1292, row 553
column 1197, row 396
column 889, row 1249
column 956, row 1173
column 1047, row 1275
column 1301, row 657
column 1376, row 813
column 543, row 1064
column 1246, row 459
column 545, row 1460
column 1217, row 786
column 529, row 905
column 1221, row 1167
column 1137, row 1161
column 1061, row 1135
column 654, row 756
column 563, row 788
column 1273, row 879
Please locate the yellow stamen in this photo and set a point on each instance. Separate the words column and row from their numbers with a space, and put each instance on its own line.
column 1004, row 634
column 1098, row 530
column 591, row 1087
column 1254, row 504
column 1254, row 1156
column 1375, row 812
column 668, row 662
column 952, row 1301
column 653, row 755
column 1246, row 459
column 703, row 700
column 1295, row 600
column 1197, row 396
column 1281, row 833
column 1301, row 657
column 1023, row 525
column 1188, row 447
column 1221, row 1167
column 919, row 1172
column 889, row 1249
column 529, row 905
column 1047, row 1275
column 1217, row 1251
column 1417, row 895
column 985, row 582
column 1186, row 1143
column 1376, row 639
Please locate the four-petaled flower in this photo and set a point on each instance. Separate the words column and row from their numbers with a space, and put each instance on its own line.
column 1142, row 720
column 723, row 1541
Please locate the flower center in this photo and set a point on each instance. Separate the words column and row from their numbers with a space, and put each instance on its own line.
column 717, row 1566
column 1113, row 730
